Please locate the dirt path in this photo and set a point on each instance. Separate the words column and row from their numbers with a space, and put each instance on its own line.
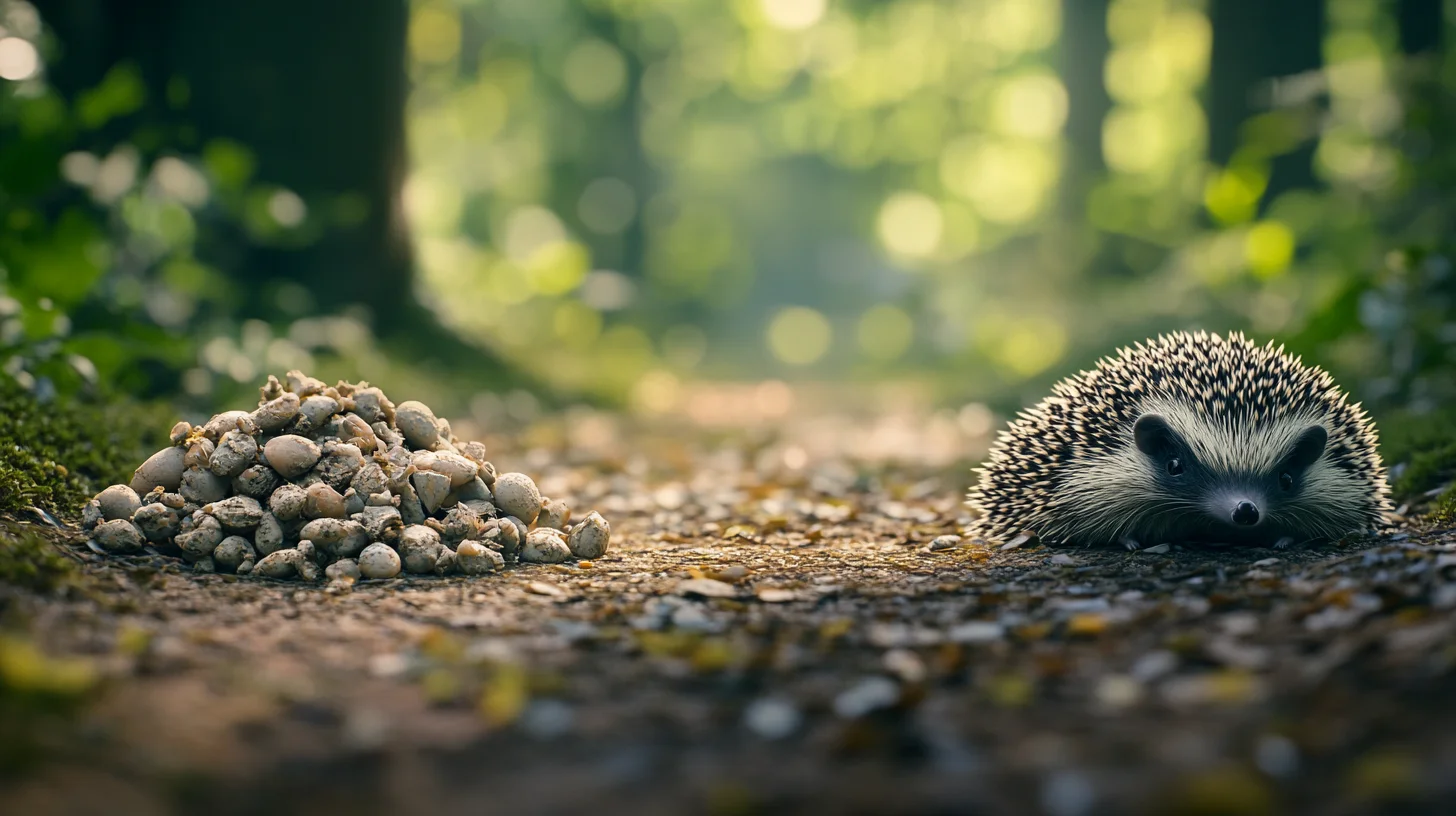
column 756, row 644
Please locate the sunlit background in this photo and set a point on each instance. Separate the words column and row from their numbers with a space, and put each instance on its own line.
column 629, row 201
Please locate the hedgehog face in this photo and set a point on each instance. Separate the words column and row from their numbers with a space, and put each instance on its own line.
column 1189, row 437
column 1210, row 500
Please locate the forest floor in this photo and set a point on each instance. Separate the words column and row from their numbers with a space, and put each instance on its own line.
column 775, row 629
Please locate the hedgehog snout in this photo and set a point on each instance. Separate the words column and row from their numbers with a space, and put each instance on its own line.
column 1246, row 514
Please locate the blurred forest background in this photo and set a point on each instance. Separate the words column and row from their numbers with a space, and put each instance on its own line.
column 483, row 203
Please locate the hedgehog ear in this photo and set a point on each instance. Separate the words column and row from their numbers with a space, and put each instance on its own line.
column 1153, row 435
column 1308, row 447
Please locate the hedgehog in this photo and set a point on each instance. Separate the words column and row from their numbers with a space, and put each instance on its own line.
column 1188, row 438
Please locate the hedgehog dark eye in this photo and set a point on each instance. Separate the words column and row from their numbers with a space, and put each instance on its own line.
column 1175, row 467
column 1286, row 482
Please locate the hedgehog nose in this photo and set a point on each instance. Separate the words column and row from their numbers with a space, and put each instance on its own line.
column 1246, row 514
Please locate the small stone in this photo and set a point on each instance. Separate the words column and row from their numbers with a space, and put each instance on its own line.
column 381, row 523
column 118, row 502
column 275, row 414
column 202, row 486
column 204, row 565
column 343, row 569
column 180, row 432
column 291, row 455
column 341, row 538
column 545, row 546
column 157, row 521
column 355, row 431
column 316, row 410
column 91, row 515
column 445, row 561
column 201, row 535
column 379, row 561
column 288, row 501
column 474, row 558
column 199, row 453
column 516, row 495
column 419, row 548
column 772, row 718
column 236, row 513
column 258, row 481
column 234, row 453
column 976, row 632
column 543, row 588
column 163, row 469
column 707, row 588
column 474, row 451
column 487, row 475
column 410, row 508
column 776, row 595
column 554, row 514
column 1159, row 549
column 369, row 480
column 302, row 384
column 869, row 695
column 418, row 424
column 432, row 488
column 322, row 501
column 945, row 542
column 473, row 490
column 227, row 421
column 459, row 469
column 338, row 464
column 372, row 406
column 460, row 523
column 279, row 565
column 269, row 537
column 590, row 537
column 232, row 552
column 119, row 536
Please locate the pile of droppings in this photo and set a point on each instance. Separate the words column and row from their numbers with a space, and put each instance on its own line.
column 338, row 482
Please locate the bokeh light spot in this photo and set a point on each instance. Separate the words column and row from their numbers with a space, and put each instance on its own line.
column 799, row 335
column 607, row 205
column 1031, row 105
column 1269, row 247
column 286, row 208
column 529, row 228
column 910, row 224
column 793, row 15
column 885, row 333
column 434, row 34
column 18, row 59
column 595, row 73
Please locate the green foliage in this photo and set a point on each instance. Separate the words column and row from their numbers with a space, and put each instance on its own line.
column 1423, row 447
column 57, row 454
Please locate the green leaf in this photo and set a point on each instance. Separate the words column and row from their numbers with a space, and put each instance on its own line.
column 121, row 92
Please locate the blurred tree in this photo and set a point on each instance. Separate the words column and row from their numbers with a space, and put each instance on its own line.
column 1421, row 25
column 1259, row 49
column 315, row 94
column 1082, row 60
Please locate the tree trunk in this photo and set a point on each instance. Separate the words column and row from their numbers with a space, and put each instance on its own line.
column 1421, row 24
column 1253, row 43
column 316, row 91
column 1084, row 48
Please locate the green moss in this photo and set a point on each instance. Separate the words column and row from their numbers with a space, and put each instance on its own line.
column 1445, row 512
column 58, row 454
column 1426, row 445
column 31, row 561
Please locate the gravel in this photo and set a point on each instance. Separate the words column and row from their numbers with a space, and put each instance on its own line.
column 316, row 475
